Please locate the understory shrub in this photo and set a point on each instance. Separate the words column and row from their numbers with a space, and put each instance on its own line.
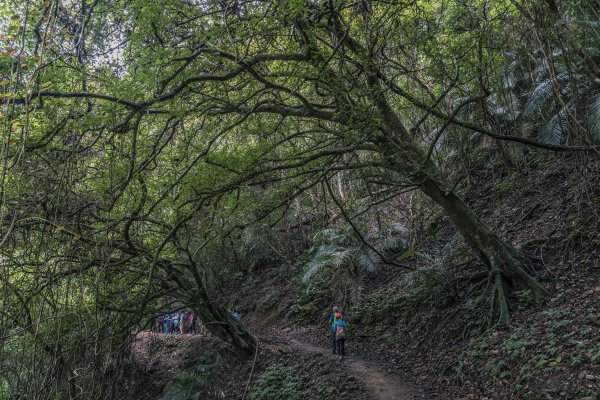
column 310, row 301
column 199, row 384
column 279, row 381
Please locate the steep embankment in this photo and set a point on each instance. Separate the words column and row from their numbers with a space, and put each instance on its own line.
column 428, row 325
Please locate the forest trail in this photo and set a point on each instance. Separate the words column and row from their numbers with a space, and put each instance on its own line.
column 381, row 385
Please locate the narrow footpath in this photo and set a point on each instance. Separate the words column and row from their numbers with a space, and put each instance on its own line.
column 380, row 384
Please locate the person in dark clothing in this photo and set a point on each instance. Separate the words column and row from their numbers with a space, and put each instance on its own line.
column 193, row 320
column 160, row 323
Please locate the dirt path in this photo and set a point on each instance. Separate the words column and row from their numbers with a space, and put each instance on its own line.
column 380, row 384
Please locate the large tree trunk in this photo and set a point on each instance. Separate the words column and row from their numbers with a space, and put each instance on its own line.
column 509, row 269
column 219, row 321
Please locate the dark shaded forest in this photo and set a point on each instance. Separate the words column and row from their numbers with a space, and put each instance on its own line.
column 429, row 167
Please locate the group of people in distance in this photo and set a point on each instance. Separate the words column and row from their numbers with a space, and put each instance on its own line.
column 182, row 321
column 179, row 322
column 338, row 332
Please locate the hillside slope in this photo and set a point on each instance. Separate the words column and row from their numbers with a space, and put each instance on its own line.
column 422, row 331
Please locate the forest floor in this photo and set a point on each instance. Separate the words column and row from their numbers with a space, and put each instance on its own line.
column 378, row 383
column 159, row 358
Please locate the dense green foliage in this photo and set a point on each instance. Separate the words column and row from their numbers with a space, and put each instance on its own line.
column 278, row 381
column 154, row 151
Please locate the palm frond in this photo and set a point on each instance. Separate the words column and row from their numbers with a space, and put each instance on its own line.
column 510, row 76
column 341, row 257
column 540, row 95
column 329, row 236
column 369, row 261
column 321, row 259
column 594, row 24
column 396, row 239
column 328, row 256
column 506, row 106
column 555, row 129
column 440, row 142
column 594, row 117
column 543, row 92
column 375, row 236
column 541, row 69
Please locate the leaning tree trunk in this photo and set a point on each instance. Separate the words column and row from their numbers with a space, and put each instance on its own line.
column 509, row 270
column 219, row 321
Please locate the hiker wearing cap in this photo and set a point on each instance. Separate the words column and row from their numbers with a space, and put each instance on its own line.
column 339, row 332
column 336, row 310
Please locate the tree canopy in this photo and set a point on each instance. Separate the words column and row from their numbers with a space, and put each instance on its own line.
column 142, row 141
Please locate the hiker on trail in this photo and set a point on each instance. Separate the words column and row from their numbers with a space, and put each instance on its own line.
column 175, row 321
column 336, row 310
column 182, row 319
column 192, row 319
column 168, row 323
column 160, row 322
column 339, row 329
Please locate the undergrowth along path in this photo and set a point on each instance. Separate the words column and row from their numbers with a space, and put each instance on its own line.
column 380, row 385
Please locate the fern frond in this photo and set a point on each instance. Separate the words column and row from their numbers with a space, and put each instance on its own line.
column 427, row 257
column 312, row 268
column 398, row 229
column 396, row 238
column 192, row 386
column 447, row 249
